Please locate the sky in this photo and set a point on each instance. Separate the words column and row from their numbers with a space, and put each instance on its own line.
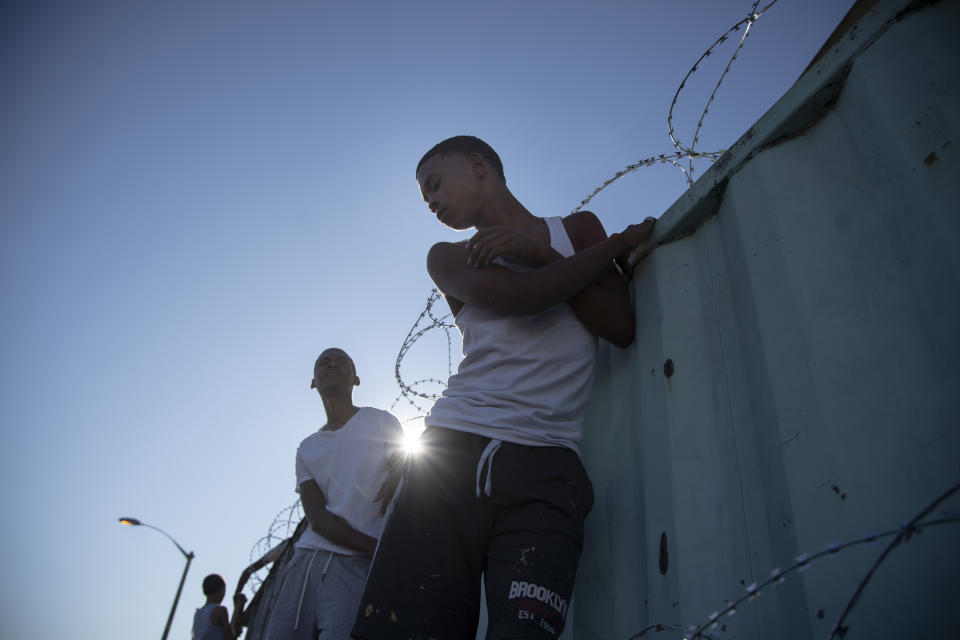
column 196, row 198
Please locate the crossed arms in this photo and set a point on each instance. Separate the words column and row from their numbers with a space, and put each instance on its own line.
column 587, row 281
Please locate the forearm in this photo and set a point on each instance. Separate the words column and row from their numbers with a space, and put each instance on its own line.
column 606, row 310
column 557, row 281
column 236, row 622
column 258, row 564
column 603, row 305
column 329, row 525
column 338, row 531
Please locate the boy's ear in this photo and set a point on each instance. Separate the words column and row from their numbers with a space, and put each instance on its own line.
column 356, row 381
column 477, row 164
column 313, row 384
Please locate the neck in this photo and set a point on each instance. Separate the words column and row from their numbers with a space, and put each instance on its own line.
column 339, row 409
column 504, row 210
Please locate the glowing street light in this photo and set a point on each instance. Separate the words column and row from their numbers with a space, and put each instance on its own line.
column 133, row 522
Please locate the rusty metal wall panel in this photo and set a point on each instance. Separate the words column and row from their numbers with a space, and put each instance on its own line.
column 795, row 377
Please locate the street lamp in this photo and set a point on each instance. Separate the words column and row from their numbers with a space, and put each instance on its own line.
column 133, row 522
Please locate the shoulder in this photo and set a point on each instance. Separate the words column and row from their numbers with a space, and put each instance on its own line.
column 442, row 254
column 310, row 440
column 218, row 615
column 381, row 417
column 306, row 441
column 374, row 413
column 584, row 229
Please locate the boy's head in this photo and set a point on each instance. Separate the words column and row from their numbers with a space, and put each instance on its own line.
column 458, row 178
column 334, row 371
column 214, row 587
column 464, row 145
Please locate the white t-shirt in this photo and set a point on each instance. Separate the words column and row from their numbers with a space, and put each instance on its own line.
column 523, row 378
column 349, row 465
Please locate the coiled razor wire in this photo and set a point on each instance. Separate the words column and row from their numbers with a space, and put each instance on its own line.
column 429, row 320
column 903, row 533
column 683, row 152
column 416, row 393
column 283, row 526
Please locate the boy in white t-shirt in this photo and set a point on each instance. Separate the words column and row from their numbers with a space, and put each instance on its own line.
column 340, row 471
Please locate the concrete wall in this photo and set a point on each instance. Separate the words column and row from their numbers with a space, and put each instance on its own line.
column 807, row 293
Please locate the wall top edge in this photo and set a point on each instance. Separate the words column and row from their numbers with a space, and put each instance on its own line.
column 804, row 103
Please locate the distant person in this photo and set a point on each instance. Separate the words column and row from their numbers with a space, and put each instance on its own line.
column 211, row 622
column 340, row 470
column 498, row 487
column 242, row 618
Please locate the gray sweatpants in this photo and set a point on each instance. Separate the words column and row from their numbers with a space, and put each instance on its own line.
column 319, row 596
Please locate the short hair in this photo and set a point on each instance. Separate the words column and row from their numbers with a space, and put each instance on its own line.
column 213, row 583
column 465, row 145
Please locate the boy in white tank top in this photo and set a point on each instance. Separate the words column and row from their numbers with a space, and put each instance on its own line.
column 211, row 622
column 498, row 488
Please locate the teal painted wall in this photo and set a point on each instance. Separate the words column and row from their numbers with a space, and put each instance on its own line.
column 807, row 293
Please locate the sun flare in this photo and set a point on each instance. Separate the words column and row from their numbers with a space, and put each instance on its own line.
column 411, row 436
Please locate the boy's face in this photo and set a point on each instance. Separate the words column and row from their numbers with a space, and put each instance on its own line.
column 334, row 370
column 450, row 186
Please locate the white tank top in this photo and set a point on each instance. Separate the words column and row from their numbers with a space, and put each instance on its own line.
column 523, row 378
column 203, row 629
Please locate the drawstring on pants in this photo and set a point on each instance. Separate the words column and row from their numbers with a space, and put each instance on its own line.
column 486, row 459
column 306, row 579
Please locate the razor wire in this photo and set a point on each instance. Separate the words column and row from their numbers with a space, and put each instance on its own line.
column 416, row 393
column 681, row 151
column 283, row 526
column 903, row 533
column 429, row 320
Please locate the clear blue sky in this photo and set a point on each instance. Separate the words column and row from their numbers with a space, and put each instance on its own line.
column 198, row 197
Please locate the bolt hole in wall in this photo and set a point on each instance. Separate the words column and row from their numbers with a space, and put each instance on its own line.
column 664, row 554
column 668, row 368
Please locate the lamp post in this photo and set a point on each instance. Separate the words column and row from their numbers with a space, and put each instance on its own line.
column 133, row 522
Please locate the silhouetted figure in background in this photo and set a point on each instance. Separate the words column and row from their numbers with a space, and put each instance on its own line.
column 211, row 622
column 340, row 470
